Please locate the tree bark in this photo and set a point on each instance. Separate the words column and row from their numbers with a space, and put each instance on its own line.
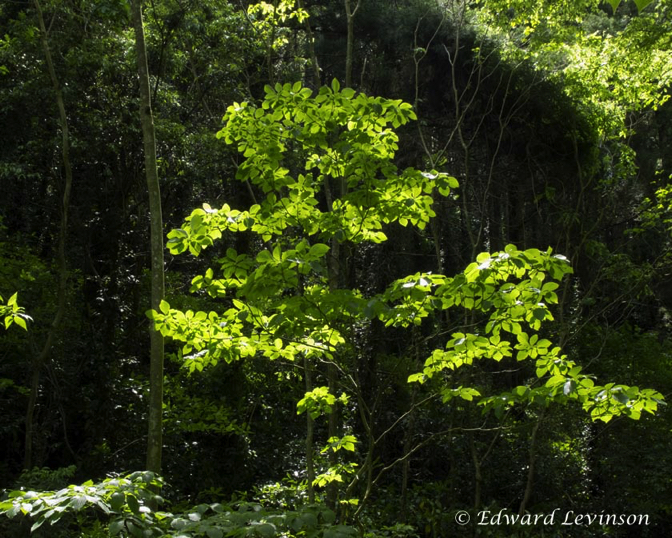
column 40, row 360
column 350, row 18
column 311, row 48
column 478, row 474
column 530, row 471
column 155, row 427
column 310, row 434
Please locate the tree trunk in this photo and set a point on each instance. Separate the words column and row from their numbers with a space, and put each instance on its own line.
column 155, row 430
column 333, row 429
column 310, row 38
column 334, row 270
column 310, row 434
column 409, row 433
column 350, row 18
column 39, row 361
column 478, row 474
column 530, row 470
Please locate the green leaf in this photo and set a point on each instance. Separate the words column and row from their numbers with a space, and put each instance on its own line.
column 318, row 250
column 641, row 4
column 179, row 523
column 134, row 529
column 78, row 502
column 116, row 527
column 133, row 503
column 37, row 524
column 614, row 5
column 117, row 501
column 539, row 313
column 164, row 307
column 620, row 397
column 265, row 529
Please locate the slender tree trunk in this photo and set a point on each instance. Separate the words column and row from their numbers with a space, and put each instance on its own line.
column 478, row 474
column 334, row 267
column 155, row 430
column 350, row 19
column 310, row 431
column 409, row 433
column 333, row 428
column 530, row 470
column 271, row 42
column 39, row 361
column 36, row 366
column 311, row 48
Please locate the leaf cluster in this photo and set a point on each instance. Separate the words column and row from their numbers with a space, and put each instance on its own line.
column 129, row 505
column 13, row 313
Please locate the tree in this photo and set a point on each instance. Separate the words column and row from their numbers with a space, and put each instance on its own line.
column 283, row 303
column 155, row 426
column 43, row 356
column 108, row 232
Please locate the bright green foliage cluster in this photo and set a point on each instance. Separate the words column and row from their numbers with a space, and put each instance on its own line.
column 484, row 285
column 125, row 501
column 298, row 148
column 599, row 75
column 266, row 18
column 658, row 211
column 280, row 303
column 512, row 287
column 129, row 505
column 562, row 381
column 319, row 401
column 610, row 65
column 335, row 444
column 541, row 16
column 340, row 136
column 324, row 166
column 13, row 313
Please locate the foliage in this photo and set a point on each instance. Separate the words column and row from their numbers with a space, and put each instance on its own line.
column 341, row 137
column 13, row 313
column 610, row 67
column 125, row 500
column 288, row 302
column 267, row 16
column 658, row 211
column 487, row 285
column 127, row 503
column 325, row 256
column 319, row 401
column 38, row 479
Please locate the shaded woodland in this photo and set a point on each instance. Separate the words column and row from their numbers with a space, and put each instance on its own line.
column 531, row 130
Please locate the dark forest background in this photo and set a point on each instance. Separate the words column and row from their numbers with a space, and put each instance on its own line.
column 557, row 126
